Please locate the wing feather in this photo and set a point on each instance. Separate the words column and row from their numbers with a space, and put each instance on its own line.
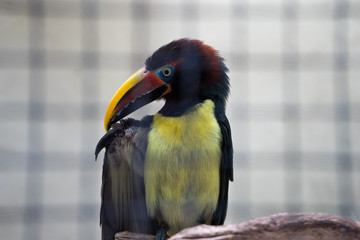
column 226, row 170
column 123, row 206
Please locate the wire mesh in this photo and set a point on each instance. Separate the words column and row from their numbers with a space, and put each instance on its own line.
column 294, row 105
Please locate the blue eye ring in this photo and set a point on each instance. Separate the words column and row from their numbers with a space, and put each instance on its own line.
column 166, row 72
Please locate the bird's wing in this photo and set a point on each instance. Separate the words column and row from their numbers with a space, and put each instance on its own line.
column 123, row 205
column 226, row 170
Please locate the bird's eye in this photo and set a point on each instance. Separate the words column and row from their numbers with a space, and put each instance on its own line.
column 166, row 72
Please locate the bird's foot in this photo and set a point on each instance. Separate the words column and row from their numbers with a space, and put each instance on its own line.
column 161, row 234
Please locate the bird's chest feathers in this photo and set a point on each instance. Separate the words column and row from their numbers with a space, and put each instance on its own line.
column 182, row 163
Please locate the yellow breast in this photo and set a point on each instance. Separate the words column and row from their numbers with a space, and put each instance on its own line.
column 182, row 162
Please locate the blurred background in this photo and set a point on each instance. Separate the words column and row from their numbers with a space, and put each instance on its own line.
column 294, row 105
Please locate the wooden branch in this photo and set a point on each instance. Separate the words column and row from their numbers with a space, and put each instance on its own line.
column 283, row 226
column 130, row 235
column 280, row 227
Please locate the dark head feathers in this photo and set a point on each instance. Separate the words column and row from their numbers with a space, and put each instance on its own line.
column 199, row 61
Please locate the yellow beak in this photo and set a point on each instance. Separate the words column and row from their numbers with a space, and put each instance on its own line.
column 140, row 89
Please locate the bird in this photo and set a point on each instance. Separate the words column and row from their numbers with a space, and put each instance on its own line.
column 171, row 170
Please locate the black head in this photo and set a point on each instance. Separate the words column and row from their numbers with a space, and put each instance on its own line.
column 199, row 71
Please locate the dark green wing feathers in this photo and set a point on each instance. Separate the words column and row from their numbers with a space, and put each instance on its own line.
column 123, row 195
column 226, row 170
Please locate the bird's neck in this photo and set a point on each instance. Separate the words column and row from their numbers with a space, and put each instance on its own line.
column 174, row 108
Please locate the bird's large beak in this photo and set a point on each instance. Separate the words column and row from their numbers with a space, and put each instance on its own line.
column 140, row 89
